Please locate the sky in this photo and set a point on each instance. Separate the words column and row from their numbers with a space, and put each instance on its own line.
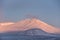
column 45, row 10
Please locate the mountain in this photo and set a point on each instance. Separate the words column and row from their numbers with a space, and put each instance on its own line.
column 35, row 31
column 27, row 24
column 31, row 34
column 29, row 29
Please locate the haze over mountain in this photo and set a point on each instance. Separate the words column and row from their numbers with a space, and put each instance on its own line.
column 27, row 24
column 6, row 23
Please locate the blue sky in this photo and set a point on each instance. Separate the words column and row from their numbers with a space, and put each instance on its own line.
column 45, row 10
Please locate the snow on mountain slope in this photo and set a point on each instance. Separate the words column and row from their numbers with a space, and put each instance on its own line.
column 6, row 23
column 29, row 24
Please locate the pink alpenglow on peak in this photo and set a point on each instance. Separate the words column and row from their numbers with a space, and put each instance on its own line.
column 29, row 24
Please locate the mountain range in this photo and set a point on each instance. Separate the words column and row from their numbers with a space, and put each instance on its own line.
column 27, row 24
column 28, row 29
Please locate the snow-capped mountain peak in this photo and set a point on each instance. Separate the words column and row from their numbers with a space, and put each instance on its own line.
column 27, row 24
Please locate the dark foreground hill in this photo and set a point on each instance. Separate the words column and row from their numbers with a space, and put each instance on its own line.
column 31, row 34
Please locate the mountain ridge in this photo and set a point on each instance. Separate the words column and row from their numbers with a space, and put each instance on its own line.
column 29, row 24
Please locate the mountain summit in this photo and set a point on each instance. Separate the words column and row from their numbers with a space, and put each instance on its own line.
column 27, row 24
